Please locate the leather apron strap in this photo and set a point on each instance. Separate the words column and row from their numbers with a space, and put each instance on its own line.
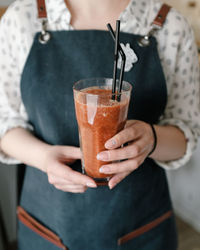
column 159, row 20
column 161, row 16
column 42, row 13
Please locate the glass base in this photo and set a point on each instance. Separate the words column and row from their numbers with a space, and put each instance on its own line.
column 99, row 181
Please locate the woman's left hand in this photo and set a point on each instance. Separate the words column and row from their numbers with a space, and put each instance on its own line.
column 140, row 139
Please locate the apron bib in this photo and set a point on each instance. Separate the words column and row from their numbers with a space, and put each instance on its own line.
column 100, row 218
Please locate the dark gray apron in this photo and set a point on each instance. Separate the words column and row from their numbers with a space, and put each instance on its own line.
column 135, row 215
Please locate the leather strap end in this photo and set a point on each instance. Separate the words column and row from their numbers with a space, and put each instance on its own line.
column 42, row 13
column 161, row 16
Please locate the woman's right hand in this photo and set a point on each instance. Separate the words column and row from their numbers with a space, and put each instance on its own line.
column 56, row 165
column 54, row 160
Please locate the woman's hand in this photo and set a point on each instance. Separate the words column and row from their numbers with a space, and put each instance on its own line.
column 56, row 165
column 140, row 140
column 53, row 160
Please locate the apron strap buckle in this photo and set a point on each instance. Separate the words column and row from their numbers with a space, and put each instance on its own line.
column 44, row 36
column 144, row 41
column 157, row 24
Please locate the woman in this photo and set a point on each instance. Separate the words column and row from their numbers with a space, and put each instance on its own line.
column 60, row 207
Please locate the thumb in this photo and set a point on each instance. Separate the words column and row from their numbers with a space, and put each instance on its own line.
column 129, row 123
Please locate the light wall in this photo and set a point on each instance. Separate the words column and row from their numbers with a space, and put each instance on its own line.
column 5, row 2
column 190, row 9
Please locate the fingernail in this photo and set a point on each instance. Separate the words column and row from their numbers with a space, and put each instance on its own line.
column 104, row 169
column 110, row 144
column 112, row 186
column 103, row 156
column 91, row 184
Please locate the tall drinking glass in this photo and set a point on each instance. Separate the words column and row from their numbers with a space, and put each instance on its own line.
column 99, row 118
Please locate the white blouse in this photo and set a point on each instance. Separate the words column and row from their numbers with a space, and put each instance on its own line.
column 176, row 47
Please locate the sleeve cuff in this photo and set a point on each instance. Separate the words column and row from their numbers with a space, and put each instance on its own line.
column 190, row 147
column 8, row 125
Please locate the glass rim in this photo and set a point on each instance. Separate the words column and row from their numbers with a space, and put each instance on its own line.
column 101, row 79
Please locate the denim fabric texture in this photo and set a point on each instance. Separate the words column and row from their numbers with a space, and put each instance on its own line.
column 96, row 219
column 32, row 241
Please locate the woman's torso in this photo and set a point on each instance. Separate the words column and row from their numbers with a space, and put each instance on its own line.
column 98, row 218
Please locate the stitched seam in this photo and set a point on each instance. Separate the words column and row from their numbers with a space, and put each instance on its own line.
column 145, row 228
column 39, row 229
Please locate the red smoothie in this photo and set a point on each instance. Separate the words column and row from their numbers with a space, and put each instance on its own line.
column 99, row 118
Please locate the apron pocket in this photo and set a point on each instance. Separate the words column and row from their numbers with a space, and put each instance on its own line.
column 45, row 234
column 144, row 229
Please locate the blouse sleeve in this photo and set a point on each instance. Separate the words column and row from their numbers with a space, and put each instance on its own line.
column 12, row 111
column 183, row 106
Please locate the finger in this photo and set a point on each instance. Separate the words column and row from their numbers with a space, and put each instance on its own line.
column 58, row 181
column 126, row 135
column 71, row 188
column 117, row 178
column 124, row 166
column 71, row 152
column 131, row 151
column 65, row 172
column 69, row 161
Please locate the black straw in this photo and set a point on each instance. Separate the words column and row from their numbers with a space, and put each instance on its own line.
column 122, row 64
column 115, row 60
column 121, row 77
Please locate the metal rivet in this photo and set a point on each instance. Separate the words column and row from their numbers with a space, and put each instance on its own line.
column 143, row 41
column 44, row 38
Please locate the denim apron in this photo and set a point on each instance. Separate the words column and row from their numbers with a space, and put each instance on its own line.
column 137, row 213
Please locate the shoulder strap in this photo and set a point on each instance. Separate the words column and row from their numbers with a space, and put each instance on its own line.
column 42, row 13
column 161, row 16
column 159, row 20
